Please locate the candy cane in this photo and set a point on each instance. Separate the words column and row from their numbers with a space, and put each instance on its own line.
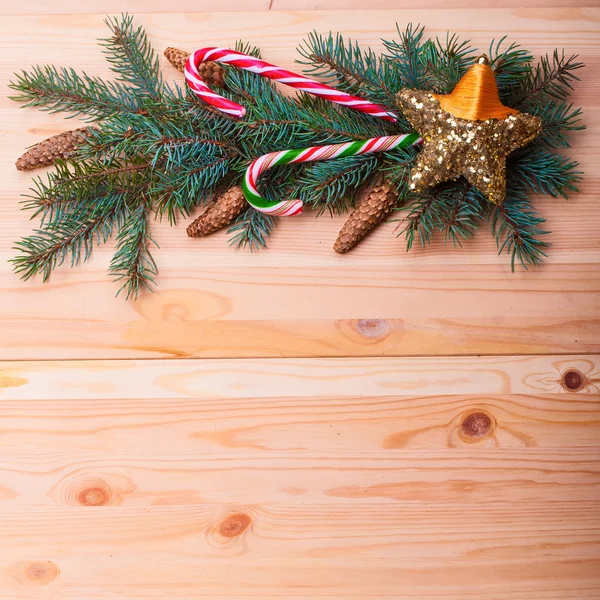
column 286, row 157
column 255, row 65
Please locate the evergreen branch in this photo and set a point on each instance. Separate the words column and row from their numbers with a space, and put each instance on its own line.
column 132, row 57
column 64, row 90
column 73, row 185
column 132, row 263
column 324, row 122
column 181, row 188
column 511, row 66
column 551, row 79
column 517, row 229
column 463, row 213
column 48, row 248
column 406, row 56
column 251, row 230
column 450, row 208
column 423, row 218
column 445, row 64
column 331, row 185
column 545, row 172
column 345, row 66
column 558, row 118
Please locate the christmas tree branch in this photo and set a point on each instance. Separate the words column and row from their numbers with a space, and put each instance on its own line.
column 132, row 263
column 132, row 57
column 517, row 229
column 64, row 90
column 251, row 230
column 551, row 78
column 446, row 63
column 545, row 172
column 74, row 235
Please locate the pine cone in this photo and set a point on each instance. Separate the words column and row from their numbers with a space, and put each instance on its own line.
column 61, row 146
column 370, row 210
column 212, row 73
column 220, row 213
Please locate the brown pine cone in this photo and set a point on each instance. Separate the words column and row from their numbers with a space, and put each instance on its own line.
column 212, row 73
column 370, row 210
column 220, row 213
column 61, row 146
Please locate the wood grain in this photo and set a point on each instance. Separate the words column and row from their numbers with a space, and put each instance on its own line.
column 298, row 298
column 257, row 426
column 407, row 551
column 277, row 378
column 41, row 7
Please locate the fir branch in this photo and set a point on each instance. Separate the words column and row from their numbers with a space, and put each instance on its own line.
column 324, row 122
column 73, row 185
column 406, row 56
column 346, row 66
column 180, row 188
column 251, row 229
column 445, row 63
column 450, row 208
column 132, row 57
column 463, row 213
column 423, row 218
column 516, row 227
column 551, row 79
column 511, row 65
column 545, row 172
column 73, row 236
column 64, row 90
column 132, row 263
column 558, row 119
column 331, row 185
column 159, row 148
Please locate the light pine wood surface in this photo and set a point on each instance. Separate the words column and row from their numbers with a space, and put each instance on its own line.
column 293, row 423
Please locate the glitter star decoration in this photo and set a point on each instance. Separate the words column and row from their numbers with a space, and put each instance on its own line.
column 467, row 133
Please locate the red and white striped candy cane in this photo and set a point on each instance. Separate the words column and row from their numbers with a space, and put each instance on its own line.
column 255, row 65
column 287, row 157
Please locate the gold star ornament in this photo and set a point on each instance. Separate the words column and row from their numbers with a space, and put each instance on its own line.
column 466, row 133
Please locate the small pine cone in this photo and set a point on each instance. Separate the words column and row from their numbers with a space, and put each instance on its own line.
column 219, row 214
column 61, row 146
column 370, row 210
column 212, row 73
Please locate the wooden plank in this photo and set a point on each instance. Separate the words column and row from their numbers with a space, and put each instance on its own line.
column 295, row 425
column 299, row 298
column 302, row 378
column 514, row 551
column 39, row 478
column 64, row 7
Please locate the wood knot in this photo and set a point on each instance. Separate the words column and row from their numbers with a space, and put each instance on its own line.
column 89, row 492
column 107, row 489
column 373, row 328
column 475, row 426
column 93, row 496
column 34, row 573
column 573, row 380
column 234, row 525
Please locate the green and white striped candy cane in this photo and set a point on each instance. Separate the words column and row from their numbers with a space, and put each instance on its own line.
column 288, row 157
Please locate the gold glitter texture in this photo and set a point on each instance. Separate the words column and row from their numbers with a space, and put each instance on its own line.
column 475, row 148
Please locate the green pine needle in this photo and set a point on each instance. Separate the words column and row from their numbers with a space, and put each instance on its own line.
column 251, row 230
column 132, row 57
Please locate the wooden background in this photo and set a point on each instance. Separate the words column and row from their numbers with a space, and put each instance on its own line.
column 294, row 423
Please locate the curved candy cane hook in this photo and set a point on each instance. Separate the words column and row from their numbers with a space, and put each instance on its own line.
column 255, row 65
column 286, row 157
